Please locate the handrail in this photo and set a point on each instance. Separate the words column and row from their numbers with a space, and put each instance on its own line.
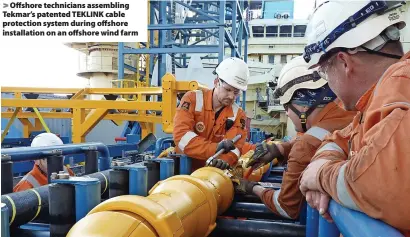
column 33, row 153
column 349, row 222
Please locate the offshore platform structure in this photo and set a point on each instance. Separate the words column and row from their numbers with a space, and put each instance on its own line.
column 177, row 29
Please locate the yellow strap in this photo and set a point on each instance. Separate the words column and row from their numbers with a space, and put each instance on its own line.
column 41, row 120
column 39, row 204
column 106, row 182
column 13, row 209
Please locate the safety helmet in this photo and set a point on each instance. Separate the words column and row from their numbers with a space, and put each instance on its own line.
column 350, row 24
column 303, row 86
column 46, row 139
column 233, row 71
column 295, row 75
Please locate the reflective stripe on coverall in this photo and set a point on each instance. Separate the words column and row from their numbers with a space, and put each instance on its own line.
column 197, row 134
column 34, row 179
column 370, row 159
column 287, row 201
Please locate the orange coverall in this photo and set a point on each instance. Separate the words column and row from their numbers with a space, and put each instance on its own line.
column 197, row 132
column 34, row 179
column 370, row 158
column 287, row 201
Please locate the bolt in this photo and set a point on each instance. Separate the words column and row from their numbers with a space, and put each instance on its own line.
column 63, row 176
column 54, row 175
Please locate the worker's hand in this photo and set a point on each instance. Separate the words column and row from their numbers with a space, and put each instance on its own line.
column 225, row 144
column 220, row 164
column 264, row 153
column 319, row 201
column 309, row 176
column 243, row 186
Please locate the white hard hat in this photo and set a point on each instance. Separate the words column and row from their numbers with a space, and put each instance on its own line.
column 46, row 139
column 235, row 72
column 350, row 24
column 296, row 75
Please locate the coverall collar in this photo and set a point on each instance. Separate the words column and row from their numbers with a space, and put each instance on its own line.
column 39, row 175
column 322, row 114
column 365, row 99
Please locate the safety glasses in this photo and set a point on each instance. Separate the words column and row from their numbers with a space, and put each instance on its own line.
column 224, row 85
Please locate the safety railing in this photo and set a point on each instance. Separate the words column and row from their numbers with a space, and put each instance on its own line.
column 348, row 222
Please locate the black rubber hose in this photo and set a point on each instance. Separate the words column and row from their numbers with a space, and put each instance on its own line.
column 251, row 228
column 251, row 210
column 24, row 206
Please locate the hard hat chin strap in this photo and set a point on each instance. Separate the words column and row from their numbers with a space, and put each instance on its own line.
column 303, row 116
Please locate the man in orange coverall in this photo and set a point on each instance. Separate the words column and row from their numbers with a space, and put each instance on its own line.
column 206, row 120
column 364, row 166
column 38, row 175
column 312, row 107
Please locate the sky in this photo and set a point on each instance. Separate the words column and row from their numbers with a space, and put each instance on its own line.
column 52, row 64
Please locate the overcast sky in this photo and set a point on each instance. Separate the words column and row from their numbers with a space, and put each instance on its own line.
column 52, row 64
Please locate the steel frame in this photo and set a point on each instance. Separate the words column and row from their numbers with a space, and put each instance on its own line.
column 86, row 114
column 230, row 33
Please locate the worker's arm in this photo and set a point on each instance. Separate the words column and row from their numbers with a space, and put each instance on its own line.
column 237, row 128
column 287, row 201
column 184, row 135
column 375, row 178
column 199, row 147
column 21, row 186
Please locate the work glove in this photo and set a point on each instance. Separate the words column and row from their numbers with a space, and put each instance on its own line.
column 220, row 164
column 225, row 144
column 243, row 186
column 167, row 152
column 264, row 153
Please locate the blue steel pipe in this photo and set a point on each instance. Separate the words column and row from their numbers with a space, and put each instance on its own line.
column 357, row 224
column 312, row 222
column 159, row 144
column 327, row 229
column 34, row 153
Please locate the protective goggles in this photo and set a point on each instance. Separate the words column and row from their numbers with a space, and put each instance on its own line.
column 373, row 7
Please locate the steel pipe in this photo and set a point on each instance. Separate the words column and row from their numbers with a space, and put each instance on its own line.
column 251, row 210
column 354, row 224
column 35, row 153
column 251, row 228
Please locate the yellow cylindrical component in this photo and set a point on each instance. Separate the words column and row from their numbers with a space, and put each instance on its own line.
column 182, row 205
column 257, row 175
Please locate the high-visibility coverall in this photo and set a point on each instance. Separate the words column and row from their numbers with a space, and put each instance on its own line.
column 197, row 132
column 370, row 159
column 35, row 178
column 287, row 201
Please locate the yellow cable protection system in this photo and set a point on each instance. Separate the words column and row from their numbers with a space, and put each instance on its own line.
column 182, row 205
column 86, row 114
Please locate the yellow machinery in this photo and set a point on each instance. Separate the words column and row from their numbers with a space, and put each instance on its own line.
column 183, row 205
column 85, row 114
